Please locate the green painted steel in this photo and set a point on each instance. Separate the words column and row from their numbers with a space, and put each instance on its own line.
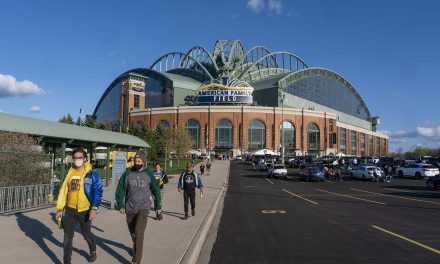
column 62, row 133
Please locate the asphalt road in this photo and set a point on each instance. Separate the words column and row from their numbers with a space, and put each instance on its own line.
column 290, row 221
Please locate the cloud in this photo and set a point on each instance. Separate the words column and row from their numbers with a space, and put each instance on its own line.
column 276, row 6
column 10, row 87
column 35, row 109
column 398, row 140
column 255, row 5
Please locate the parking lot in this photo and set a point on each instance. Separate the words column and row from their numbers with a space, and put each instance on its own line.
column 269, row 220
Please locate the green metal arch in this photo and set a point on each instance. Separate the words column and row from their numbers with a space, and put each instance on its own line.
column 286, row 81
column 181, row 63
column 273, row 54
column 207, row 52
column 244, row 58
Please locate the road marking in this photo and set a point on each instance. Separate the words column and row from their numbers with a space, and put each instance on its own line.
column 268, row 180
column 395, row 196
column 273, row 212
column 249, row 186
column 398, row 190
column 352, row 197
column 329, row 181
column 407, row 239
column 296, row 195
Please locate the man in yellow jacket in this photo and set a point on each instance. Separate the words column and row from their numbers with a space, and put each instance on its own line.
column 78, row 201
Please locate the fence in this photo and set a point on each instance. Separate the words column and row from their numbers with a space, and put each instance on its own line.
column 23, row 197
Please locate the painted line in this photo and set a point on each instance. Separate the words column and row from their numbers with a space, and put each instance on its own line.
column 268, row 180
column 298, row 196
column 352, row 197
column 273, row 212
column 407, row 239
column 329, row 181
column 398, row 190
column 395, row 196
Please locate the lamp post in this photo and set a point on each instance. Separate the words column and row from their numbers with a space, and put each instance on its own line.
column 283, row 99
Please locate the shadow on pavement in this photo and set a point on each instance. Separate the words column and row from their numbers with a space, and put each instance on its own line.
column 40, row 233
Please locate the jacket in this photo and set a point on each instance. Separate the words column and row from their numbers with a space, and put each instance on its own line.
column 199, row 183
column 121, row 190
column 90, row 198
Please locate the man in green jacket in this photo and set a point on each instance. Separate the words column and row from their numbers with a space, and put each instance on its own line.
column 133, row 197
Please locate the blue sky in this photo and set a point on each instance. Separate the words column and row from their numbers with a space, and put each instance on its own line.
column 59, row 56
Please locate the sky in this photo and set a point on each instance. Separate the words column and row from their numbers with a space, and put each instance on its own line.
column 57, row 57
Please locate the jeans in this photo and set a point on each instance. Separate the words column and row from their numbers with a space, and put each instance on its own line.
column 71, row 216
column 189, row 194
column 137, row 223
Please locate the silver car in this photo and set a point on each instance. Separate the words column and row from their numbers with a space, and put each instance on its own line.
column 365, row 172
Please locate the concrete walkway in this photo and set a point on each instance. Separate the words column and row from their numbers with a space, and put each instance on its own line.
column 34, row 237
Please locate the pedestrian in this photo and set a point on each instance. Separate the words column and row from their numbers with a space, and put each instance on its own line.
column 133, row 198
column 161, row 179
column 78, row 201
column 202, row 169
column 188, row 182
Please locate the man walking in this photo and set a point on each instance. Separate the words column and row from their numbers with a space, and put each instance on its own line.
column 133, row 197
column 78, row 201
column 161, row 179
column 188, row 182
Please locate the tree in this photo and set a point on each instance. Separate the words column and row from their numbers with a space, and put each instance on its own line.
column 419, row 152
column 79, row 121
column 22, row 161
column 180, row 142
column 90, row 122
column 66, row 119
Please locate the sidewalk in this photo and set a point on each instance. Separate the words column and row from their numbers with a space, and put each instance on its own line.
column 34, row 237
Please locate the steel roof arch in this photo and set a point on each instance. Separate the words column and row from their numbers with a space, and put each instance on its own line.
column 207, row 52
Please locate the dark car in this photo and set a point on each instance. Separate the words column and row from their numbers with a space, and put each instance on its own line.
column 433, row 182
column 312, row 174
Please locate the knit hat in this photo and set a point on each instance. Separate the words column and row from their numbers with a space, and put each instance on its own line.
column 141, row 156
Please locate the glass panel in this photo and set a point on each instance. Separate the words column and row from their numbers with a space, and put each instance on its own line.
column 287, row 136
column 193, row 128
column 223, row 134
column 313, row 138
column 353, row 143
column 362, row 144
column 343, row 140
column 165, row 125
column 109, row 109
column 256, row 135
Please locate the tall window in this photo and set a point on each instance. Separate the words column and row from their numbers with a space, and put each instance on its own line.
column 223, row 134
column 353, row 143
column 165, row 125
column 256, row 135
column 343, row 140
column 362, row 144
column 287, row 138
column 377, row 152
column 193, row 128
column 313, row 138
column 136, row 101
column 370, row 145
column 384, row 147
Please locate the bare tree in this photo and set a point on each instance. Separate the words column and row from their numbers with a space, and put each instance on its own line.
column 181, row 142
column 22, row 162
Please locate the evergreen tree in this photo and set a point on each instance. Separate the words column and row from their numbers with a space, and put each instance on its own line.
column 90, row 122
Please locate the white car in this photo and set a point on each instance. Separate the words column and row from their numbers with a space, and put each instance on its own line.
column 277, row 170
column 418, row 170
column 365, row 172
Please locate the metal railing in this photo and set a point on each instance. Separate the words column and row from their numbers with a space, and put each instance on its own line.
column 19, row 198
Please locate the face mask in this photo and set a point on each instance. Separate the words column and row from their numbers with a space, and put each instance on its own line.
column 78, row 162
column 137, row 167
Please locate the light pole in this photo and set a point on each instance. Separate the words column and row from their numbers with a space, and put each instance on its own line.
column 283, row 99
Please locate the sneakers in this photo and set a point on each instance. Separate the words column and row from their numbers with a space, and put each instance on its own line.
column 159, row 216
column 92, row 257
column 193, row 212
column 186, row 216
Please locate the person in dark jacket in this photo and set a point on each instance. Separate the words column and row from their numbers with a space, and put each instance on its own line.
column 133, row 198
column 189, row 180
column 78, row 201
column 161, row 179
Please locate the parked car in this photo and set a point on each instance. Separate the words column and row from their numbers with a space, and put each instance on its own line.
column 238, row 157
column 312, row 174
column 277, row 170
column 433, row 182
column 365, row 172
column 418, row 170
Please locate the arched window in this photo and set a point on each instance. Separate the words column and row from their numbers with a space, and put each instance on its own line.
column 287, row 138
column 313, row 138
column 193, row 128
column 256, row 135
column 165, row 125
column 223, row 134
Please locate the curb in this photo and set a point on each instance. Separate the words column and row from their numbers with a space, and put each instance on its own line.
column 193, row 251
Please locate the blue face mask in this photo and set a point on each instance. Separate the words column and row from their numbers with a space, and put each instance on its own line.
column 137, row 167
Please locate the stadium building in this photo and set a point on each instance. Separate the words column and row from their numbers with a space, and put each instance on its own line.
column 236, row 100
